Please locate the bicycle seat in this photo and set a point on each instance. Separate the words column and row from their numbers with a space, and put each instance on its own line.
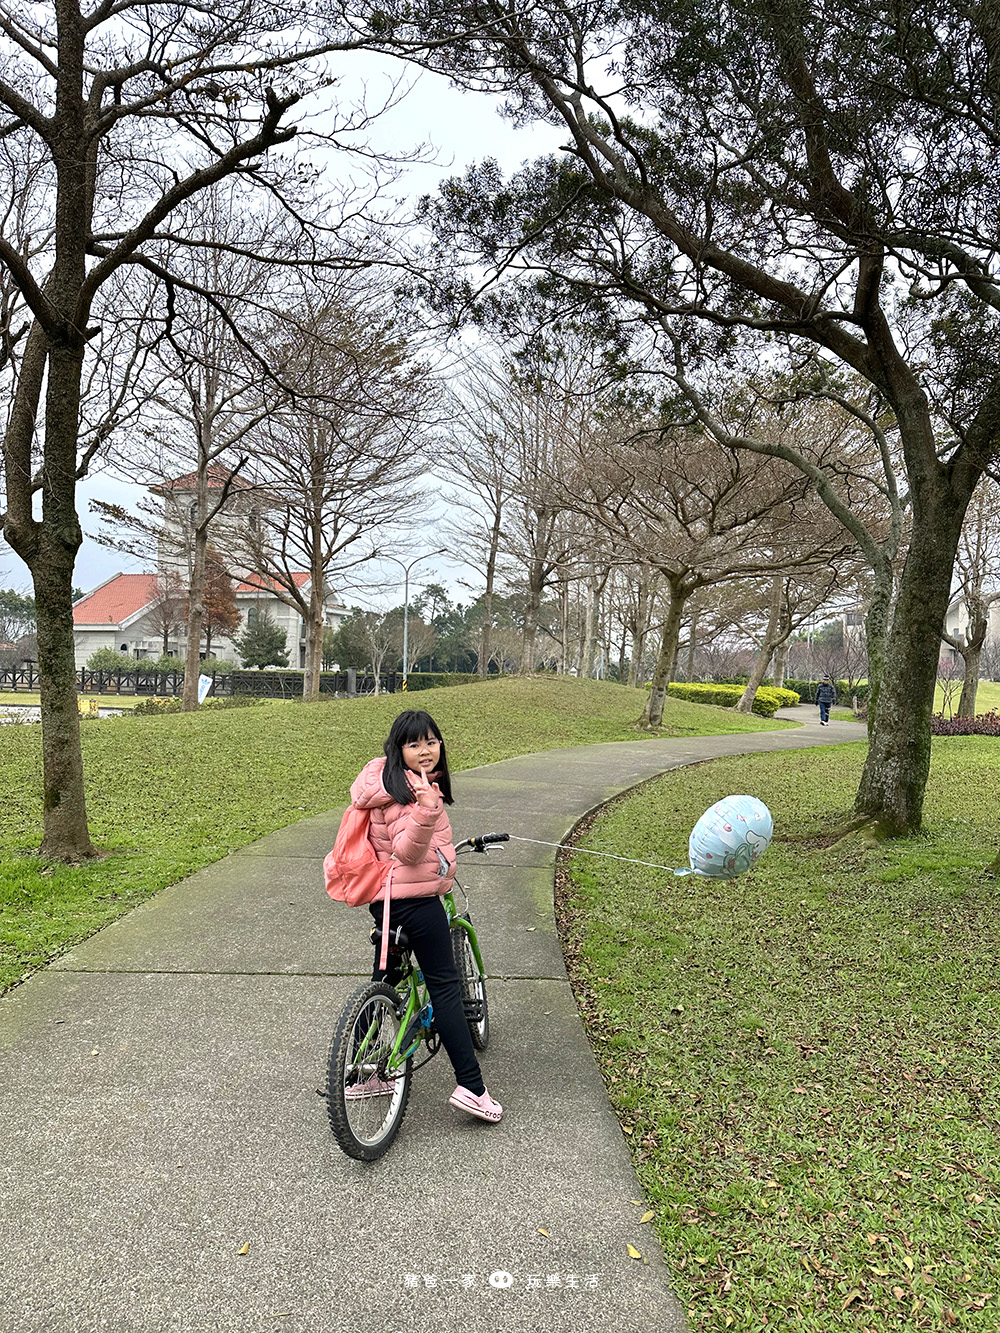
column 397, row 937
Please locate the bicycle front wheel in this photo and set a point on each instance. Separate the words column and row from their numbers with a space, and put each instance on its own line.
column 473, row 987
column 366, row 1097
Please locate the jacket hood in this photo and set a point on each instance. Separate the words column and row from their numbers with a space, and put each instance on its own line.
column 367, row 791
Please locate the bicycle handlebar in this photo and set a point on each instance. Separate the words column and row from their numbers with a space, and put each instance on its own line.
column 480, row 842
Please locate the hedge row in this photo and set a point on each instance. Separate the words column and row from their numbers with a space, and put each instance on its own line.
column 154, row 707
column 806, row 689
column 766, row 704
column 983, row 724
column 846, row 692
column 431, row 680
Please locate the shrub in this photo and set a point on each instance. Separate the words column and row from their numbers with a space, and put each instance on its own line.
column 806, row 690
column 218, row 666
column 165, row 662
column 431, row 680
column 109, row 659
column 766, row 704
column 156, row 707
column 983, row 724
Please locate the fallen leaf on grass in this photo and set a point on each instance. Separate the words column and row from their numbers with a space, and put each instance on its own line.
column 852, row 1296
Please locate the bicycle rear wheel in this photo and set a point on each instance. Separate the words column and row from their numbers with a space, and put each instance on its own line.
column 365, row 1100
column 473, row 987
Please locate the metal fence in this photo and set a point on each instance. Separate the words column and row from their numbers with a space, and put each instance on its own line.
column 262, row 684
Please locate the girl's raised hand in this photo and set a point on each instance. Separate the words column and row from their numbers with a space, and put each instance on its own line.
column 427, row 793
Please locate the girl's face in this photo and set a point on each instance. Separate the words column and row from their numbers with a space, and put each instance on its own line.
column 423, row 754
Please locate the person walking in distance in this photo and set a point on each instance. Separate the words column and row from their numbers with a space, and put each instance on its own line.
column 825, row 696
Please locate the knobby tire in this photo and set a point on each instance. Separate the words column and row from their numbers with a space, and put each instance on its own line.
column 365, row 1127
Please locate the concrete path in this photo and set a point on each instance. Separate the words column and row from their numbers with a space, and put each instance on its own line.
column 165, row 1162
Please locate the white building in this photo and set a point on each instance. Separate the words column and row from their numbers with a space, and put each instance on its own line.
column 123, row 613
column 956, row 623
column 131, row 612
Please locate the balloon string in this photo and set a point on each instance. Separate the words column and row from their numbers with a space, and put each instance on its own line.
column 609, row 856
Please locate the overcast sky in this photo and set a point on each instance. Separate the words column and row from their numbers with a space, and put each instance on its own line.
column 462, row 128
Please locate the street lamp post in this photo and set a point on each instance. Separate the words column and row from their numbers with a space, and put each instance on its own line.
column 406, row 599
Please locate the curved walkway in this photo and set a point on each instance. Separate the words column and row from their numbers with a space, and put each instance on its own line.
column 166, row 1163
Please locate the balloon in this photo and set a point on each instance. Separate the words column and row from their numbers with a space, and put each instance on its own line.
column 729, row 837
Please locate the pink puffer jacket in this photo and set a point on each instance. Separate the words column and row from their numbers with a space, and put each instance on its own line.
column 420, row 840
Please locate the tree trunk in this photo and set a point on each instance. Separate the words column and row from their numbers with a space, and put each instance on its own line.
column 530, row 630
column 891, row 791
column 692, row 646
column 485, row 634
column 640, row 627
column 970, row 682
column 745, row 704
column 653, row 714
column 563, row 627
column 196, row 614
column 780, row 664
column 66, row 832
column 314, row 637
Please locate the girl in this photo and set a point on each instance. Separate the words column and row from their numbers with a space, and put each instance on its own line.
column 406, row 793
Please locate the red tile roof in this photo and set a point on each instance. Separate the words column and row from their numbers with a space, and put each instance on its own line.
column 264, row 584
column 115, row 600
column 217, row 475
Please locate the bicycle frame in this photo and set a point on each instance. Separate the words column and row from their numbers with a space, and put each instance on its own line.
column 418, row 1013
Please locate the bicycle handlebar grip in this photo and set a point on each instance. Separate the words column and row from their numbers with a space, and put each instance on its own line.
column 486, row 839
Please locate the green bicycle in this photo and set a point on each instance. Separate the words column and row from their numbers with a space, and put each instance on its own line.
column 382, row 1027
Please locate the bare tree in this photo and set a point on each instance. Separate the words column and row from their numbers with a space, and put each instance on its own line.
column 115, row 116
column 977, row 586
column 168, row 610
column 479, row 454
column 340, row 458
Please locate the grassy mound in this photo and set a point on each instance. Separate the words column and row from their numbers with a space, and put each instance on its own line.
column 804, row 1059
column 169, row 794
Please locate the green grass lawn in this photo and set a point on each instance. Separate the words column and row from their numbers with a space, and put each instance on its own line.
column 804, row 1060
column 945, row 699
column 104, row 700
column 168, row 794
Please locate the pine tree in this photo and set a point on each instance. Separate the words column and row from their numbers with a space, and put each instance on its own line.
column 262, row 643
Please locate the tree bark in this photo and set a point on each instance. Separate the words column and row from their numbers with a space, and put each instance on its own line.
column 891, row 790
column 486, row 632
column 780, row 664
column 692, row 645
column 745, row 703
column 196, row 607
column 663, row 672
column 971, row 655
column 314, row 629
column 66, row 835
column 530, row 628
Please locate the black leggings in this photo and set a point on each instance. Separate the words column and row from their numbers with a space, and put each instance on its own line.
column 426, row 926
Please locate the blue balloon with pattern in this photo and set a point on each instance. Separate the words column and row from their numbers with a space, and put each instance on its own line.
column 729, row 837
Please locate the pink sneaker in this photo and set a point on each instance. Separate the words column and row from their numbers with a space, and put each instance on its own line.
column 483, row 1108
column 372, row 1087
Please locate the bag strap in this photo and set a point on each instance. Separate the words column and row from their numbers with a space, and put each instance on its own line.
column 383, row 961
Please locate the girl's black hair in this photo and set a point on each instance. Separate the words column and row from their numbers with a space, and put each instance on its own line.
column 413, row 725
